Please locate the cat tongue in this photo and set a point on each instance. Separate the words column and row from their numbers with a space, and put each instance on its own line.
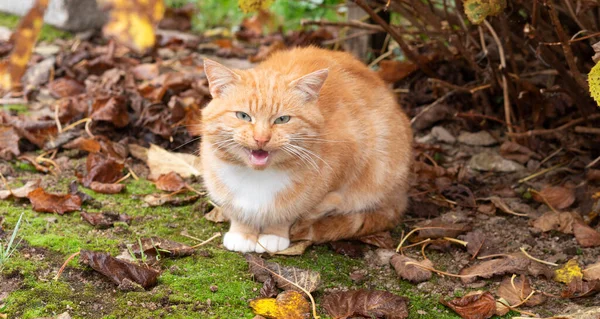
column 259, row 157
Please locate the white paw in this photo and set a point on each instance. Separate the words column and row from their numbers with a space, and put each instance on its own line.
column 271, row 243
column 238, row 242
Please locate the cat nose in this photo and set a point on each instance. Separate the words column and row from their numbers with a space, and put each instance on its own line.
column 261, row 141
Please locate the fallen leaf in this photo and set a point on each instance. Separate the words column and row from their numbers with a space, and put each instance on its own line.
column 105, row 188
column 161, row 161
column 170, row 182
column 501, row 308
column 440, row 229
column 157, row 248
column 568, row 272
column 578, row 288
column 287, row 305
column 261, row 269
column 516, row 263
column 563, row 222
column 557, row 196
column 476, row 242
column 20, row 192
column 53, row 203
column 347, row 248
column 111, row 109
column 65, row 87
column 132, row 22
column 411, row 272
column 105, row 219
column 23, row 40
column 592, row 272
column 365, row 303
column 145, row 71
column 381, row 240
column 585, row 235
column 101, row 168
column 154, row 200
column 9, row 142
column 118, row 270
column 216, row 216
column 517, row 152
column 269, row 288
column 475, row 305
column 517, row 290
column 84, row 144
column 295, row 249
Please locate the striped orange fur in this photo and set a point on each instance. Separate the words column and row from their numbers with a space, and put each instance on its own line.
column 310, row 144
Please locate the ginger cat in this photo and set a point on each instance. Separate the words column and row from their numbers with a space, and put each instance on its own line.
column 309, row 145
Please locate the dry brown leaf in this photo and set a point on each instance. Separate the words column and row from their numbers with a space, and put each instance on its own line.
column 441, row 229
column 168, row 199
column 476, row 243
column 381, row 240
column 557, row 196
column 20, row 192
column 111, row 109
column 269, row 288
column 84, row 144
column 23, row 39
column 517, row 290
column 563, row 222
column 578, row 288
column 516, row 263
column 216, row 216
column 411, row 272
column 288, row 305
column 476, row 305
column 53, row 203
column 117, row 270
column 161, row 161
column 145, row 71
column 170, row 182
column 366, row 304
column 65, row 87
column 9, row 142
column 101, row 168
column 307, row 279
column 393, row 71
column 517, row 152
column 105, row 188
column 105, row 219
column 295, row 249
column 592, row 272
column 585, row 235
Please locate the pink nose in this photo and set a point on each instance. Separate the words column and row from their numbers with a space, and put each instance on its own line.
column 261, row 141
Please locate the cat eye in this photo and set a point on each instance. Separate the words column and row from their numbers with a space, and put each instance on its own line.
column 282, row 119
column 243, row 116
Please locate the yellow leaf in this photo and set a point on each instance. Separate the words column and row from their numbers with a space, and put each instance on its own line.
column 254, row 5
column 594, row 82
column 568, row 272
column 132, row 22
column 478, row 10
column 289, row 304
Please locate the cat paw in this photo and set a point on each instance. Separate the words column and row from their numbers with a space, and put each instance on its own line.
column 239, row 242
column 271, row 243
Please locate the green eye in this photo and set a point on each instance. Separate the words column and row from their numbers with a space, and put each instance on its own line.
column 282, row 119
column 243, row 116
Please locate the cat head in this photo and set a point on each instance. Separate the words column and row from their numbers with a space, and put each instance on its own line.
column 261, row 118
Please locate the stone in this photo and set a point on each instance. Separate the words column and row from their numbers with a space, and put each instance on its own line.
column 441, row 134
column 383, row 256
column 481, row 138
column 70, row 15
column 493, row 162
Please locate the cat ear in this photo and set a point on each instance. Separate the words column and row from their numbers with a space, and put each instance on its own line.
column 310, row 85
column 219, row 77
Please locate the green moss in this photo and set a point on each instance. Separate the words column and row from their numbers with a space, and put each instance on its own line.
column 48, row 33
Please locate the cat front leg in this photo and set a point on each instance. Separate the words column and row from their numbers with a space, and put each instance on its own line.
column 273, row 238
column 240, row 237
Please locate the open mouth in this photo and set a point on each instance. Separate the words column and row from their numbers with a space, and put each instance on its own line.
column 259, row 157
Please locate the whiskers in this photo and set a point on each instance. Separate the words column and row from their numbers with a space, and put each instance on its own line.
column 311, row 138
column 308, row 157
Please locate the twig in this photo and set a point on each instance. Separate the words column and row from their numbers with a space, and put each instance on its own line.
column 520, row 303
column 551, row 156
column 507, row 110
column 352, row 24
column 64, row 265
column 381, row 57
column 415, row 244
column 587, row 130
column 187, row 186
column 565, row 45
column 206, row 241
column 398, row 37
column 454, row 240
column 123, row 178
column 558, row 129
column 58, row 125
column 540, row 173
column 412, row 232
column 538, row 260
column 594, row 162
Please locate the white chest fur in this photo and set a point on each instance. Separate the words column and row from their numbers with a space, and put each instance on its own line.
column 252, row 191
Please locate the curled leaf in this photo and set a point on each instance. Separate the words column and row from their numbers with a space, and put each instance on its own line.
column 365, row 303
column 578, row 288
column 53, row 203
column 170, row 182
column 105, row 219
column 405, row 269
column 517, row 290
column 117, row 270
column 283, row 275
column 476, row 305
column 585, row 235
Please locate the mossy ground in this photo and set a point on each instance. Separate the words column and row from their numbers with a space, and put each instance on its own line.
column 183, row 289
